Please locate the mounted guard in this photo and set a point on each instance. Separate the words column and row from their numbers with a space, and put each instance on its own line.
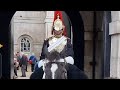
column 57, row 55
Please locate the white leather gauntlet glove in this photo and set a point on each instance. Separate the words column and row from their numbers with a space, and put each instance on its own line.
column 69, row 60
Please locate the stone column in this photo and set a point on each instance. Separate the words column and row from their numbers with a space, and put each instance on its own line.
column 48, row 23
column 114, row 28
column 12, row 47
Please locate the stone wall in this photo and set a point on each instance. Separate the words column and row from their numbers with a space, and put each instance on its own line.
column 87, row 17
column 114, row 31
column 31, row 24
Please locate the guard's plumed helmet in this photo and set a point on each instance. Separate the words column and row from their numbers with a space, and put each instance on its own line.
column 58, row 22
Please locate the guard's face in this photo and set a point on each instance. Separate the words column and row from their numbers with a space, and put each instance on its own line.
column 58, row 32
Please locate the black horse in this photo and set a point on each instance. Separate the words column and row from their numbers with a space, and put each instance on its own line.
column 57, row 68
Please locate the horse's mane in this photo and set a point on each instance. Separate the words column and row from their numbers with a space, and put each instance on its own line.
column 53, row 56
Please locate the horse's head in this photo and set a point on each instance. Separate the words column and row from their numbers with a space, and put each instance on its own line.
column 55, row 68
column 55, row 71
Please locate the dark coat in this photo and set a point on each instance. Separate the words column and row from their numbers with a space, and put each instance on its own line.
column 72, row 73
column 24, row 60
column 34, row 59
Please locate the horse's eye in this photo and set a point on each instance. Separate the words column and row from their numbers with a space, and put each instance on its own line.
column 62, row 64
column 47, row 64
column 64, row 72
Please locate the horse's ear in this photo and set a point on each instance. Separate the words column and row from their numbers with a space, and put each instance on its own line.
column 53, row 55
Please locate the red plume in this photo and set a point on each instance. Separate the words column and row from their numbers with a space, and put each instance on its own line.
column 55, row 17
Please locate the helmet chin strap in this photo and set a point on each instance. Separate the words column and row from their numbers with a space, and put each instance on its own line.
column 58, row 36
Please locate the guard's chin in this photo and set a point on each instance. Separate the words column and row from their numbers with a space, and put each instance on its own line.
column 69, row 60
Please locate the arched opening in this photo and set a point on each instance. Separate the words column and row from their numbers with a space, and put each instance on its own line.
column 78, row 37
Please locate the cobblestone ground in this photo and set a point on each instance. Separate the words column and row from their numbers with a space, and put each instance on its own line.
column 27, row 73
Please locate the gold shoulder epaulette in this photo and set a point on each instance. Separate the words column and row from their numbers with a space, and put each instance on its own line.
column 46, row 39
column 67, row 37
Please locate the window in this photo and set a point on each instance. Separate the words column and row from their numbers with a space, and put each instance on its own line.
column 25, row 45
